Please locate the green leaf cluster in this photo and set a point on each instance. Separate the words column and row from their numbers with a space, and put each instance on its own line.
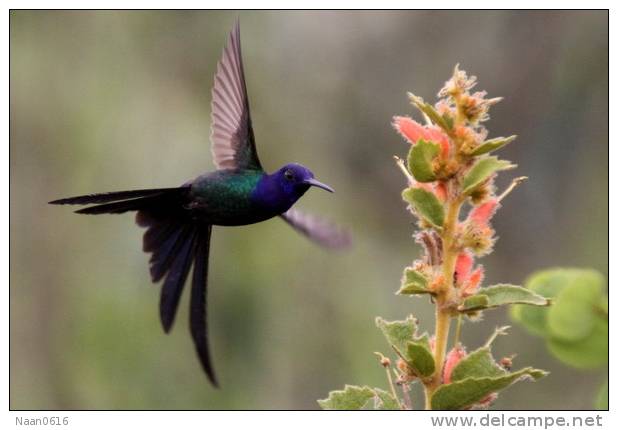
column 576, row 325
column 476, row 377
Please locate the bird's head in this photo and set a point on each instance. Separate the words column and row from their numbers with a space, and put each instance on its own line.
column 295, row 179
column 280, row 190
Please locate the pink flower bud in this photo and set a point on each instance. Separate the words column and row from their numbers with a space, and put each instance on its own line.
column 482, row 213
column 441, row 191
column 411, row 130
column 424, row 186
column 463, row 266
column 435, row 134
column 453, row 357
column 472, row 285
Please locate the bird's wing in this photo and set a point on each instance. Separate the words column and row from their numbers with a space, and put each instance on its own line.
column 318, row 230
column 197, row 311
column 233, row 143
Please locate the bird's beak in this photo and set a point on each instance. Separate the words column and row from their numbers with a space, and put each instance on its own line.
column 316, row 183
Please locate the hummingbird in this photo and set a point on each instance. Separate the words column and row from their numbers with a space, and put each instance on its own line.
column 179, row 220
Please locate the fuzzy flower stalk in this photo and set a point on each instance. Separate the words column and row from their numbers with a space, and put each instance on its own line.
column 450, row 173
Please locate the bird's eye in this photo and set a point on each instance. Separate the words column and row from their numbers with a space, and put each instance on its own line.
column 289, row 175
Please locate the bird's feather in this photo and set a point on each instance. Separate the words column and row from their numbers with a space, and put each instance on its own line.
column 176, row 277
column 317, row 229
column 177, row 241
column 197, row 311
column 116, row 207
column 110, row 197
column 159, row 233
column 165, row 251
column 125, row 201
column 233, row 143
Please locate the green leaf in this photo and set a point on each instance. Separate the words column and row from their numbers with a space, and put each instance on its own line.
column 431, row 113
column 500, row 295
column 420, row 359
column 466, row 392
column 577, row 334
column 588, row 353
column 426, row 205
column 547, row 283
column 423, row 340
column 602, row 402
column 603, row 305
column 411, row 276
column 420, row 160
column 493, row 144
column 477, row 364
column 398, row 333
column 575, row 309
column 475, row 302
column 482, row 170
column 448, row 120
column 411, row 289
column 550, row 283
column 350, row 398
column 384, row 400
column 413, row 282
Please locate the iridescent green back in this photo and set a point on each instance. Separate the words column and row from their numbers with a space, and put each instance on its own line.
column 223, row 197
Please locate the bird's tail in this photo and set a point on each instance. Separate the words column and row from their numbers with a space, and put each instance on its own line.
column 176, row 242
column 124, row 201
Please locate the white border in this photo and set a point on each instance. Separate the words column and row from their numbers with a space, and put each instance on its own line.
column 275, row 420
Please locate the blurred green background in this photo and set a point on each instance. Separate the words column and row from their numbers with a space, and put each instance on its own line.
column 105, row 101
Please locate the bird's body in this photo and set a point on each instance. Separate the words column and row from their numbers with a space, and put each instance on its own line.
column 225, row 197
column 234, row 197
column 179, row 220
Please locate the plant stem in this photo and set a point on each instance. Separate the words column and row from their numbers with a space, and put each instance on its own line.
column 427, row 398
column 443, row 322
column 405, row 388
column 458, row 330
column 392, row 386
column 515, row 182
column 404, row 169
column 443, row 297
